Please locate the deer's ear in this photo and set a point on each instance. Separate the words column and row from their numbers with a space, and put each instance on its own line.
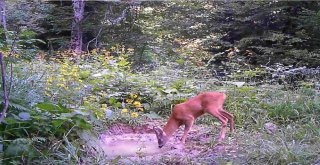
column 158, row 132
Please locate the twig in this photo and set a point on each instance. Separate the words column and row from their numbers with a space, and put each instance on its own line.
column 10, row 57
column 100, row 30
column 5, row 96
column 113, row 22
column 120, row 18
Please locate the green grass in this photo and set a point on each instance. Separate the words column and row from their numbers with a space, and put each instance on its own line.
column 297, row 144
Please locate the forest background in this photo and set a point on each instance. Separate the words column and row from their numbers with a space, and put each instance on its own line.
column 74, row 67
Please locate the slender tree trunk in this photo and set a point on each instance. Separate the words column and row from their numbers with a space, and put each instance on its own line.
column 3, row 19
column 76, row 31
column 4, row 87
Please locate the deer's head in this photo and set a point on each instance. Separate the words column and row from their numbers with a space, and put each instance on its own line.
column 162, row 140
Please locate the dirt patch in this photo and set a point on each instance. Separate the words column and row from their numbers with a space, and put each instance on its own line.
column 138, row 145
column 130, row 141
column 131, row 145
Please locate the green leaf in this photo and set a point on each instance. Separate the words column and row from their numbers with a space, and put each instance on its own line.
column 84, row 74
column 57, row 123
column 112, row 100
column 48, row 107
column 27, row 34
column 152, row 115
column 63, row 109
column 118, row 105
column 52, row 108
column 10, row 120
column 81, row 123
column 19, row 148
column 123, row 63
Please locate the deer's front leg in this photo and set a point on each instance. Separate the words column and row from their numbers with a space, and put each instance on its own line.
column 188, row 124
column 187, row 127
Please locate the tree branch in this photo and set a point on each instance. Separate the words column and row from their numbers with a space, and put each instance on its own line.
column 113, row 22
column 100, row 30
column 120, row 18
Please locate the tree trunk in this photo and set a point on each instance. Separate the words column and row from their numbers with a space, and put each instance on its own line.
column 76, row 31
column 4, row 87
column 3, row 19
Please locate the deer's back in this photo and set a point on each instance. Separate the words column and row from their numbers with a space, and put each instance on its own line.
column 197, row 105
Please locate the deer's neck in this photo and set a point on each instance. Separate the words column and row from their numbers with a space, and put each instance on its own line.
column 171, row 126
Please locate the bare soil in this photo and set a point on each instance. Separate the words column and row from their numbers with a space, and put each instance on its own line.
column 138, row 145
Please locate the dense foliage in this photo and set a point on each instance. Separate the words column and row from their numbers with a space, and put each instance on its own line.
column 141, row 58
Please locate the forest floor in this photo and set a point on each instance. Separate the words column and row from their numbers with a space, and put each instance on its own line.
column 126, row 144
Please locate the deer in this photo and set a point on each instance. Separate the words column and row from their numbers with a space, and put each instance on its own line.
column 185, row 114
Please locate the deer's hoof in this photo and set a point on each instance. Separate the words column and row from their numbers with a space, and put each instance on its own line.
column 178, row 146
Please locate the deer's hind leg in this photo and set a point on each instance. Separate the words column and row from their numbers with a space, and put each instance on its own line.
column 224, row 120
column 230, row 118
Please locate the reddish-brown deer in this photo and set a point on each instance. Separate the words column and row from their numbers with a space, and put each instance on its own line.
column 186, row 113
